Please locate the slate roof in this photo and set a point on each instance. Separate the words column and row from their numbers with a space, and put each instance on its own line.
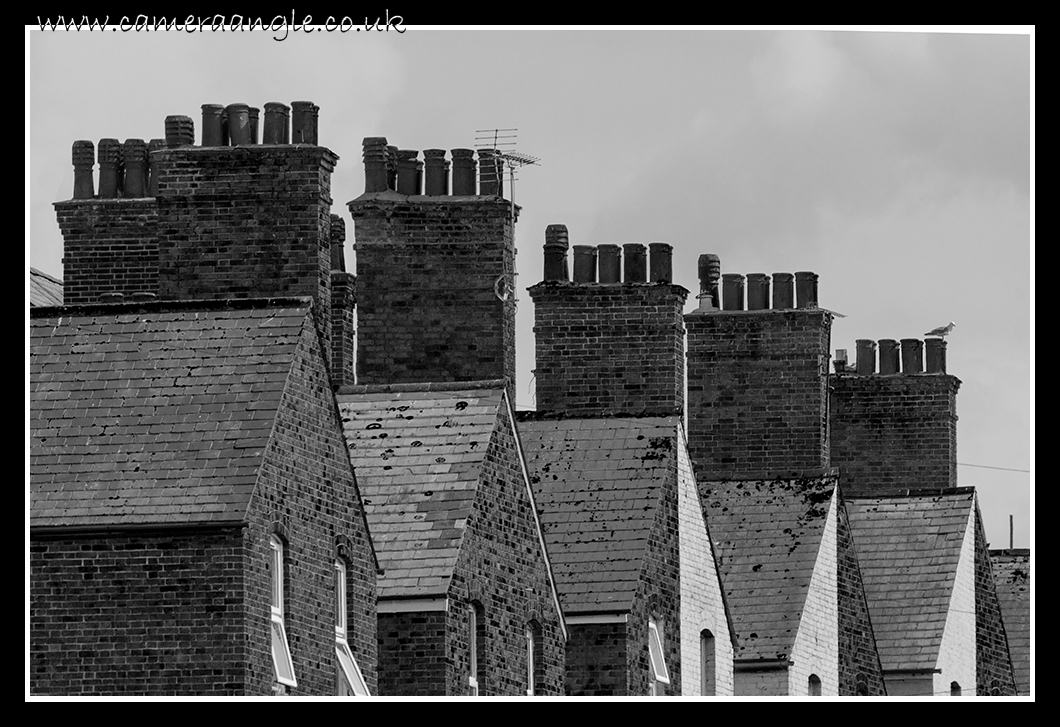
column 908, row 548
column 418, row 451
column 44, row 290
column 1012, row 578
column 768, row 534
column 597, row 484
column 154, row 414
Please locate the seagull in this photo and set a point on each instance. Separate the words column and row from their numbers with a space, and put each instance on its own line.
column 941, row 331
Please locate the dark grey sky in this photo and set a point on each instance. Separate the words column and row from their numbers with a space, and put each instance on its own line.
column 896, row 165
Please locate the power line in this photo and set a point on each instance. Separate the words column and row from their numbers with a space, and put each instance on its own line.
column 988, row 467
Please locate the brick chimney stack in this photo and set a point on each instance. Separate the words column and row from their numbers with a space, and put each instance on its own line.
column 609, row 346
column 896, row 430
column 758, row 377
column 435, row 272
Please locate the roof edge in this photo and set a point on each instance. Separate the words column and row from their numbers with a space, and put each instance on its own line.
column 170, row 305
column 425, row 386
column 598, row 414
column 48, row 532
column 937, row 492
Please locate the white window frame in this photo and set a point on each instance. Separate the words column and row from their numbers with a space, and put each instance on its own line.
column 657, row 658
column 472, row 641
column 530, row 660
column 349, row 671
column 282, row 662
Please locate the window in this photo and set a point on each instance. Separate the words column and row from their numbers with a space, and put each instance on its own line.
column 473, row 648
column 351, row 682
column 661, row 677
column 281, row 650
column 815, row 686
column 530, row 660
column 955, row 689
column 706, row 666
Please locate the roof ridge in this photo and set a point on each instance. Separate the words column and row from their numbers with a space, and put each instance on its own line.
column 219, row 304
column 425, row 386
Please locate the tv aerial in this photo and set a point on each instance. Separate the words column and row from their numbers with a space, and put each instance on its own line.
column 501, row 143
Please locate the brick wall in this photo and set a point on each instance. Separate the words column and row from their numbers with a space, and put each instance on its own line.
column 109, row 246
column 816, row 647
column 895, row 433
column 658, row 595
column 140, row 613
column 957, row 658
column 702, row 604
column 994, row 670
column 501, row 566
column 616, row 347
column 306, row 489
column 596, row 660
column 757, row 392
column 860, row 670
column 412, row 647
column 343, row 342
column 245, row 222
column 762, row 683
column 431, row 273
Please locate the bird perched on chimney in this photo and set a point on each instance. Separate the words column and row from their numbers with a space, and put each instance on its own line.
column 941, row 331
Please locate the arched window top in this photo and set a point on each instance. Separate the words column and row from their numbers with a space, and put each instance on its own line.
column 707, row 671
column 814, row 686
column 955, row 689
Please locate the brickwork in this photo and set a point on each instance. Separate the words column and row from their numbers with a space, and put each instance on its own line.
column 658, row 596
column 994, row 669
column 157, row 613
column 435, row 289
column 597, row 665
column 244, row 222
column 816, row 648
column 757, row 392
column 893, row 433
column 702, row 602
column 609, row 347
column 307, row 494
column 412, row 646
column 502, row 566
column 109, row 246
column 956, row 656
column 762, row 683
column 343, row 344
column 860, row 670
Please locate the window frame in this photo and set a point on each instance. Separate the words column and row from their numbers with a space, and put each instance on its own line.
column 657, row 662
column 281, row 647
column 472, row 642
column 349, row 674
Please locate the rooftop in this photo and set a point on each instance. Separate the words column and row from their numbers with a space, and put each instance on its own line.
column 44, row 290
column 154, row 413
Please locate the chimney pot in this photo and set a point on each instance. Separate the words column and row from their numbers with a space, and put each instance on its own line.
column 238, row 115
column 436, row 169
column 806, row 289
column 662, row 266
column 134, row 157
column 610, row 262
column 109, row 158
column 338, row 240
column 84, row 158
column 584, row 264
column 840, row 361
column 213, row 124
column 180, row 131
column 490, row 173
column 408, row 171
column 783, row 291
column 732, row 291
column 757, row 291
column 152, row 165
column 374, row 149
column 304, row 122
column 635, row 262
column 866, row 356
column 709, row 273
column 556, row 244
column 912, row 356
column 253, row 115
column 888, row 356
column 276, row 130
column 936, row 355
column 464, row 172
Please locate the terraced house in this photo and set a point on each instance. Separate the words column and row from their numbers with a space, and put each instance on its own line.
column 253, row 472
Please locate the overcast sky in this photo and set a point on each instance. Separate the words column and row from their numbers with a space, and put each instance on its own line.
column 896, row 165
